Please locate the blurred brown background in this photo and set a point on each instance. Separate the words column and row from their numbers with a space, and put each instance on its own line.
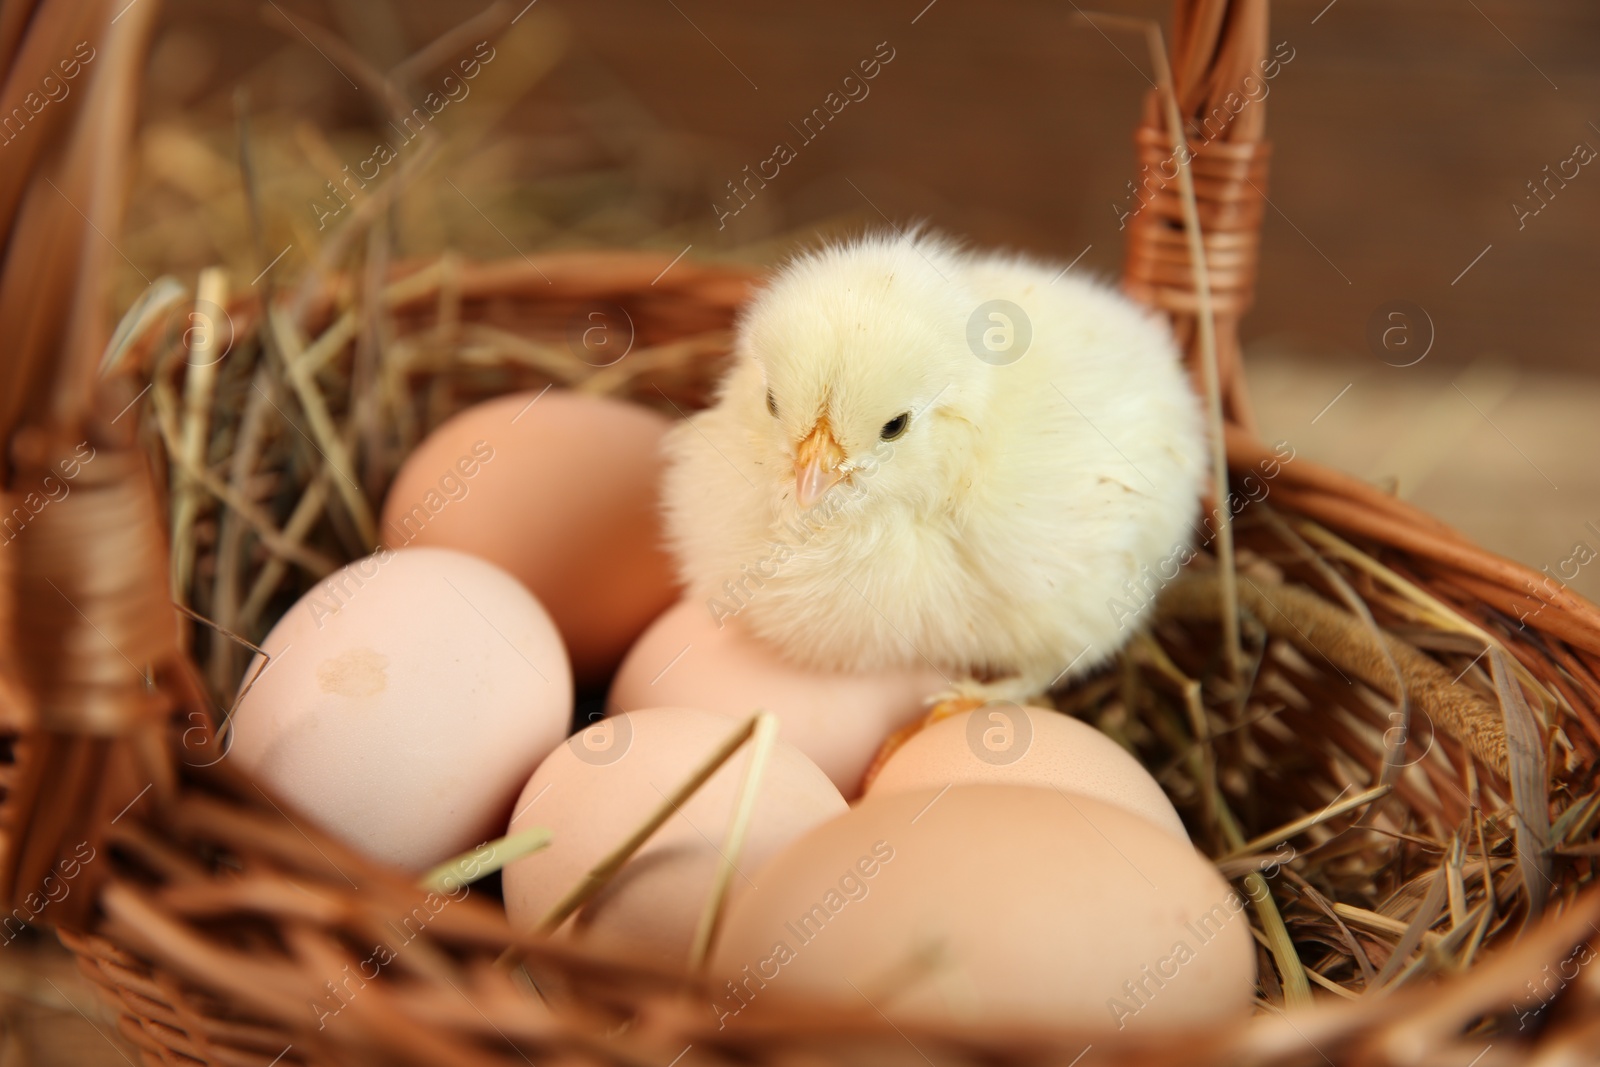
column 1404, row 134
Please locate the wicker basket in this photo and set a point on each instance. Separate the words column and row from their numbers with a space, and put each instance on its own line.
column 225, row 932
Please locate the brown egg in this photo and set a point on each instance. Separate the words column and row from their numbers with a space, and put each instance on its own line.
column 1001, row 904
column 593, row 791
column 559, row 489
column 686, row 658
column 1005, row 744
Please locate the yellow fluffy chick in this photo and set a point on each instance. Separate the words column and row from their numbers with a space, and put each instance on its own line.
column 929, row 455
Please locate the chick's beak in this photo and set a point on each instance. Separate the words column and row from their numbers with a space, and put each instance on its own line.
column 816, row 464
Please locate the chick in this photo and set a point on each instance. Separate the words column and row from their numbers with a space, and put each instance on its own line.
column 928, row 455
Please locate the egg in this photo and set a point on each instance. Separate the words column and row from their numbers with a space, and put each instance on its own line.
column 592, row 792
column 1006, row 744
column 406, row 699
column 559, row 488
column 1009, row 905
column 687, row 658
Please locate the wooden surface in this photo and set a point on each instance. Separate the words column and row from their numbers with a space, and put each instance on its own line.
column 1502, row 452
column 49, row 1016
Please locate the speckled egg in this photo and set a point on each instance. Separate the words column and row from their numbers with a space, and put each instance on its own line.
column 406, row 699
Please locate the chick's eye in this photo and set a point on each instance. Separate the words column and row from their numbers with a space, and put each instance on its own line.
column 896, row 426
column 772, row 404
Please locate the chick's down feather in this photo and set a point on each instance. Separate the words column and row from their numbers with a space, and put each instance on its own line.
column 923, row 455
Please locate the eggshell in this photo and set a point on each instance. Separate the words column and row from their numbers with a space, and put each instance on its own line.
column 559, row 489
column 1006, row 744
column 407, row 698
column 602, row 784
column 1003, row 904
column 839, row 720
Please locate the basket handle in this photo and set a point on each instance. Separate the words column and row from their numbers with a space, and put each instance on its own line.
column 1220, row 71
column 90, row 660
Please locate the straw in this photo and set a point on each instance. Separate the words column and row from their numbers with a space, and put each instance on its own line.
column 603, row 871
column 206, row 339
column 766, row 735
column 486, row 859
column 1530, row 782
column 1221, row 512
